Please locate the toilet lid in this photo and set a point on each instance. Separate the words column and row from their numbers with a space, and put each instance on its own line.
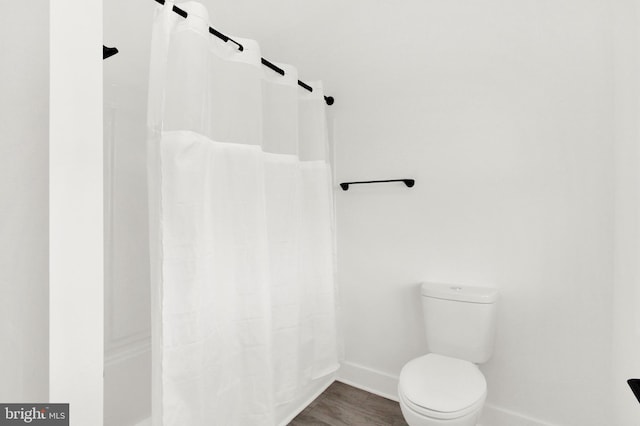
column 441, row 383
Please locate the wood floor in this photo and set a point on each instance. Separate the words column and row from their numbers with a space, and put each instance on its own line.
column 344, row 405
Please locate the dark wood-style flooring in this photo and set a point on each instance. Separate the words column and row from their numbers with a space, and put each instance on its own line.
column 344, row 405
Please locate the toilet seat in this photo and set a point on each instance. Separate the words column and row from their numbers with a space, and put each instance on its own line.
column 431, row 414
column 441, row 387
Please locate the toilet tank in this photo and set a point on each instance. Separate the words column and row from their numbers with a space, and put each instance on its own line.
column 459, row 320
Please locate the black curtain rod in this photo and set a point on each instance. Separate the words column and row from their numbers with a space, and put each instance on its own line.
column 328, row 99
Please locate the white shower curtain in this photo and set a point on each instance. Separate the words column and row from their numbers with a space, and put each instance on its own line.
column 241, row 230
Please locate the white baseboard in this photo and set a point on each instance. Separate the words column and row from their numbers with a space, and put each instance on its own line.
column 368, row 379
column 497, row 416
column 386, row 385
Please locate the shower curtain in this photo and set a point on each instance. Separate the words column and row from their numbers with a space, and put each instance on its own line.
column 241, row 218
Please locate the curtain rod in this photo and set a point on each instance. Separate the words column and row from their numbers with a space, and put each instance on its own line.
column 328, row 99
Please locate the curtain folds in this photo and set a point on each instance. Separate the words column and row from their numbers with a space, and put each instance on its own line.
column 241, row 214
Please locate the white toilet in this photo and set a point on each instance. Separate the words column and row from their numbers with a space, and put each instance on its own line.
column 446, row 387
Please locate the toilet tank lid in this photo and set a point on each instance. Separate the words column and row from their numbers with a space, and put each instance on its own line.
column 460, row 293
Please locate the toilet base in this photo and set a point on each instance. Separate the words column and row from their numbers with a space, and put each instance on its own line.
column 417, row 419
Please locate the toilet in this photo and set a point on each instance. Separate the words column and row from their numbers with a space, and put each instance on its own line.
column 445, row 386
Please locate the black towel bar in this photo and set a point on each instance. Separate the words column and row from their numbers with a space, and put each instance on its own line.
column 408, row 182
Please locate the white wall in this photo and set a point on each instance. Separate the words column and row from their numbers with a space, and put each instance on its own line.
column 127, row 299
column 502, row 112
column 47, row 138
column 76, row 210
column 24, row 136
column 626, row 330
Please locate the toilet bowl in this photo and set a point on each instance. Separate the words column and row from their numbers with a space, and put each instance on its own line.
column 437, row 390
column 446, row 387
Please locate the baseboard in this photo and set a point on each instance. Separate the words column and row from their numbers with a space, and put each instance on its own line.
column 497, row 416
column 368, row 379
column 386, row 385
